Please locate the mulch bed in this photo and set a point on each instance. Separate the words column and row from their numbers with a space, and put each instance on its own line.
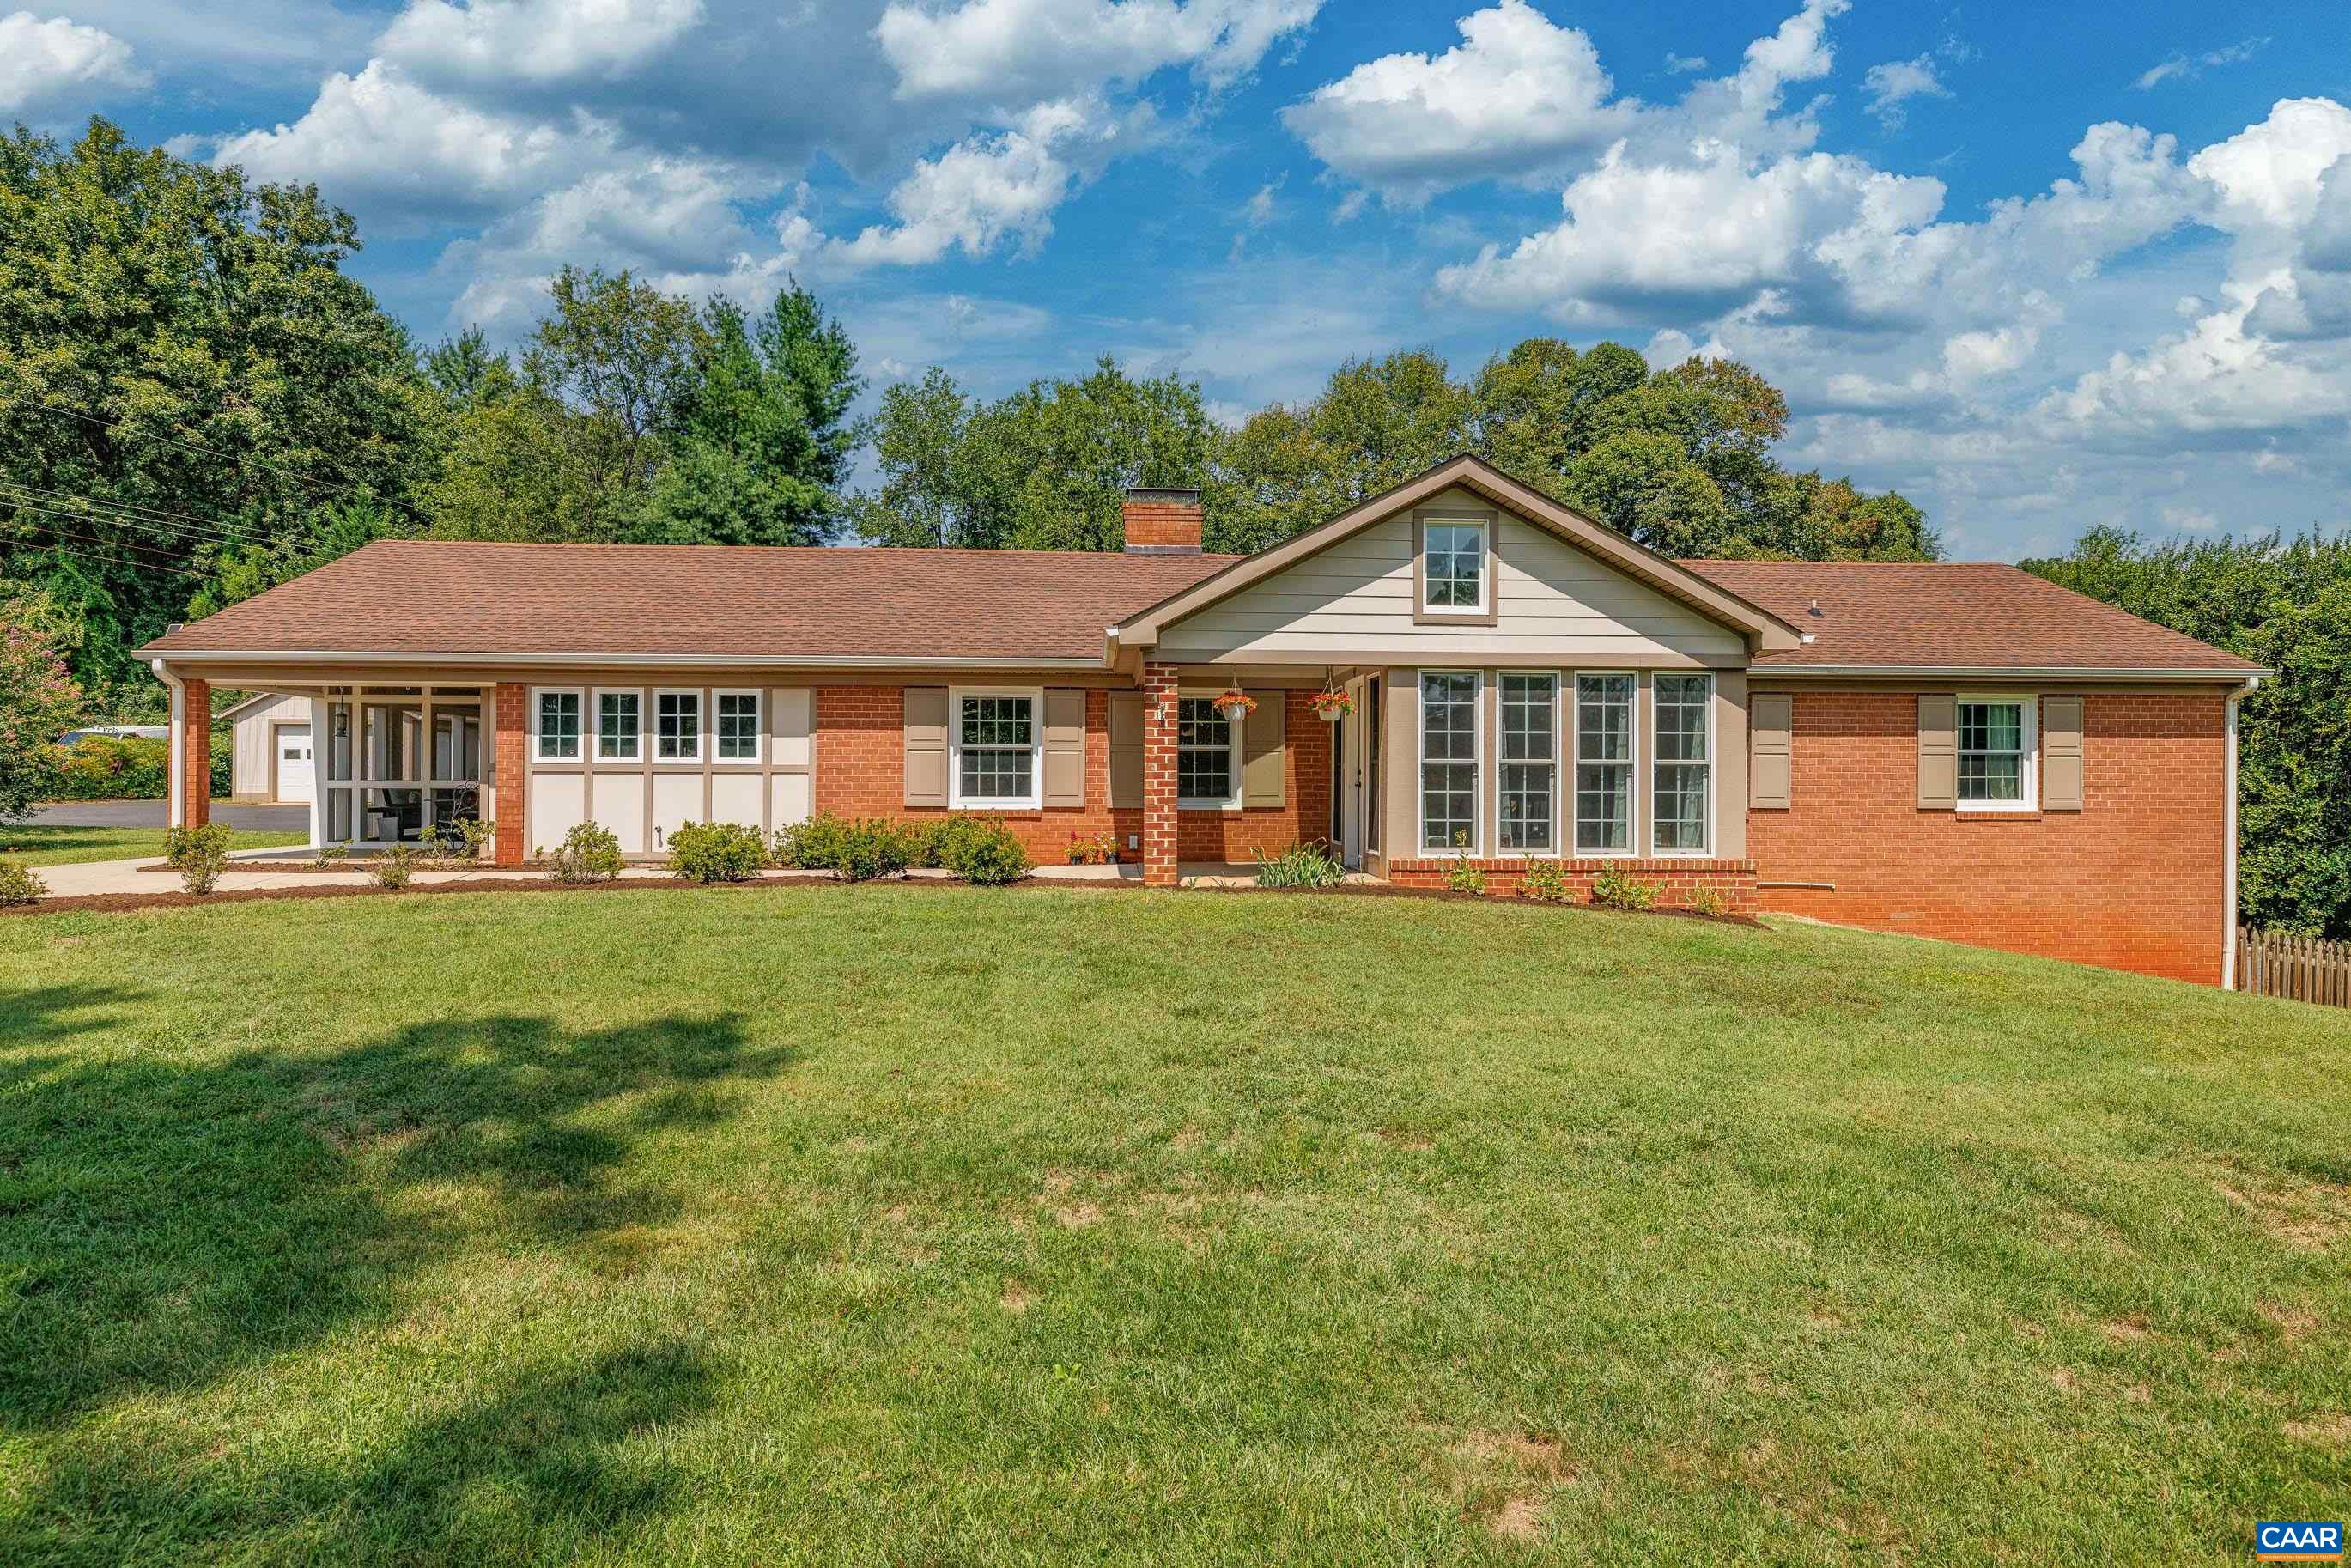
column 118, row 903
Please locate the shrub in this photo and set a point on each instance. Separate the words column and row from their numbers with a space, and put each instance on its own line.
column 1544, row 880
column 20, row 884
column 945, row 842
column 198, row 854
column 988, row 853
column 814, row 844
column 477, row 836
column 325, row 856
column 1613, row 888
column 107, row 767
column 392, row 868
column 868, row 847
column 1706, row 899
column 1301, row 865
column 716, row 851
column 1465, row 876
column 874, row 847
column 589, row 853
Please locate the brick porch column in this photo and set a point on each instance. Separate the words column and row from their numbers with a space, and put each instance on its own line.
column 196, row 753
column 1159, row 775
column 510, row 706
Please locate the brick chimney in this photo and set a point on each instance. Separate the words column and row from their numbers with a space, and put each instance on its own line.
column 1162, row 521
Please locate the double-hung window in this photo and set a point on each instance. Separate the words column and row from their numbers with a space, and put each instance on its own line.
column 1204, row 754
column 1603, row 764
column 996, row 749
column 620, row 724
column 1530, row 763
column 1448, row 760
column 677, row 727
column 1685, row 763
column 738, row 738
column 1453, row 566
column 557, row 732
column 1995, row 748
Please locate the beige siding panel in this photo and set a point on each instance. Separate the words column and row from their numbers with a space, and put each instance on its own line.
column 1263, row 743
column 926, row 746
column 1771, row 781
column 1730, row 765
column 1554, row 600
column 2061, row 753
column 739, row 798
column 1939, row 753
column 794, row 722
column 558, row 803
column 794, row 800
column 1065, row 746
column 677, row 800
column 619, row 805
column 1400, row 768
column 1126, row 748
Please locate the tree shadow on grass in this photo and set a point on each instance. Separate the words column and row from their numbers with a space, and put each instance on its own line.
column 163, row 1221
column 540, row 1469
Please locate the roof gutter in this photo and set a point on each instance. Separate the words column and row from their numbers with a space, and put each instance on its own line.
column 564, row 661
column 2002, row 672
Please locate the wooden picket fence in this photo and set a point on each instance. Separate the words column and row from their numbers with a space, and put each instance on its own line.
column 2303, row 968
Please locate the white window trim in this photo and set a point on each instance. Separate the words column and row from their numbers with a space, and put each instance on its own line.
column 596, row 722
column 759, row 730
column 2029, row 780
column 1035, row 801
column 702, row 708
column 1476, row 847
column 539, row 752
column 1561, row 809
column 1632, row 849
column 1235, row 763
column 1485, row 528
column 1713, row 766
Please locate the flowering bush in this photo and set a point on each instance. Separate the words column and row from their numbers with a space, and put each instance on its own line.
column 37, row 698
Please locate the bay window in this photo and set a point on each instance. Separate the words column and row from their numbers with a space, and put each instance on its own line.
column 1684, row 783
column 1448, row 760
column 1530, row 763
column 1603, row 764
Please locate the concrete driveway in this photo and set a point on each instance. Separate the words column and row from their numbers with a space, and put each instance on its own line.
column 151, row 814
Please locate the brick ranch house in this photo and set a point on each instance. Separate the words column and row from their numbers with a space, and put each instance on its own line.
column 1962, row 751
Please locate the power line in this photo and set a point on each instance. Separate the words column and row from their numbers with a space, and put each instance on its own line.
column 110, row 544
column 109, row 511
column 101, row 560
column 204, row 451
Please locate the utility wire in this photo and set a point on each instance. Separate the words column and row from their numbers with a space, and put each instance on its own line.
column 179, row 555
column 109, row 512
column 102, row 559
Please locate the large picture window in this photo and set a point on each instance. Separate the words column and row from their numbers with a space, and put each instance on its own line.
column 1996, row 738
column 677, row 727
column 1685, row 763
column 737, row 737
column 1204, row 753
column 996, row 748
column 1453, row 566
column 1530, row 763
column 1448, row 761
column 1603, row 764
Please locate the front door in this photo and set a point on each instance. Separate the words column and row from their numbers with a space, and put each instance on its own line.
column 1349, row 762
column 292, row 743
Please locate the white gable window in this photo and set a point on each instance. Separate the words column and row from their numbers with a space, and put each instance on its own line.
column 1453, row 568
column 1996, row 736
column 994, row 742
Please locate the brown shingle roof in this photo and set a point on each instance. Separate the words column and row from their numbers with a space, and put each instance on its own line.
column 1952, row 615
column 422, row 596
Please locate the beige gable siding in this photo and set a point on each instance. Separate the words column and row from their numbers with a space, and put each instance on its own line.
column 1354, row 601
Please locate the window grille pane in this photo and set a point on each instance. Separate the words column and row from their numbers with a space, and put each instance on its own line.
column 1453, row 565
column 1603, row 718
column 1681, row 807
column 677, row 725
column 1684, row 731
column 1448, row 743
column 1604, row 807
column 1204, row 751
column 617, row 724
column 1991, row 751
column 559, row 724
column 996, row 721
column 739, row 726
column 995, row 773
column 1527, row 733
column 1527, row 805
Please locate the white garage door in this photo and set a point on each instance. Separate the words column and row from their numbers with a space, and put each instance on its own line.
column 294, row 771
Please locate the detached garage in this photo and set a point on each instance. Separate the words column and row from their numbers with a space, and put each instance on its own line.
column 273, row 749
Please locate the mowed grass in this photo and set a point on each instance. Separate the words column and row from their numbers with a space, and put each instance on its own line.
column 906, row 1225
column 40, row 844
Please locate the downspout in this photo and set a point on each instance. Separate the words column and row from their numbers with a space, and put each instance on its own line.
column 2229, row 902
column 176, row 808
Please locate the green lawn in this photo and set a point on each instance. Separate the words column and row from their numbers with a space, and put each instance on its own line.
column 903, row 1224
column 34, row 844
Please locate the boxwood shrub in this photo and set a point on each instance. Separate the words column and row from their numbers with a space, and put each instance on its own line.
column 716, row 851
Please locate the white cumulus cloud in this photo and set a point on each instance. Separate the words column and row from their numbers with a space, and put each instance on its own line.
column 1010, row 51
column 58, row 64
column 536, row 41
column 1895, row 82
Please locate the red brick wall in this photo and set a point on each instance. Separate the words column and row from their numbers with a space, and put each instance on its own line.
column 509, row 710
column 2135, row 880
column 196, row 754
column 861, row 772
column 1678, row 882
column 1162, row 524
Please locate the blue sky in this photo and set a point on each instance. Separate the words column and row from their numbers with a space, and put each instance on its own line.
column 2038, row 266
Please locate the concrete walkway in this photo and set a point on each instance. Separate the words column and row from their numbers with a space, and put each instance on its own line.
column 152, row 814
column 93, row 877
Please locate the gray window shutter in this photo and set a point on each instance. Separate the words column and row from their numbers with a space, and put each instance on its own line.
column 1939, row 753
column 1771, row 758
column 1262, row 759
column 1065, row 746
column 2061, row 753
column 926, row 746
column 1126, row 748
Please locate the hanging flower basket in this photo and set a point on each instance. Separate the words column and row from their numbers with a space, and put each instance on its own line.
column 1333, row 707
column 1236, row 706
